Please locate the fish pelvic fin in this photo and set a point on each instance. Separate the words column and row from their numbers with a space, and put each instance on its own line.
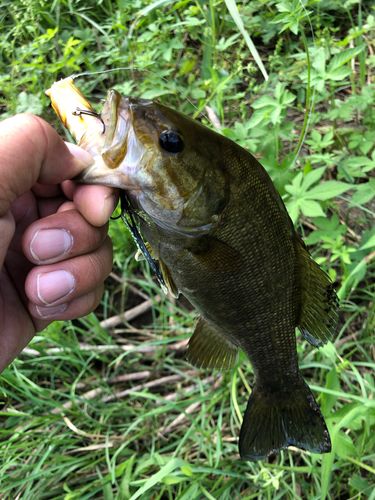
column 169, row 281
column 274, row 421
column 209, row 348
column 168, row 278
column 319, row 302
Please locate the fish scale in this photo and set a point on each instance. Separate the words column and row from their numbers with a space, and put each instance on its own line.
column 222, row 237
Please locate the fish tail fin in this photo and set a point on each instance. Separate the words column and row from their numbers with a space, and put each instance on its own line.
column 273, row 422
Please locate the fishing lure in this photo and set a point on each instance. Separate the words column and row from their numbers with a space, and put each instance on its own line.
column 127, row 216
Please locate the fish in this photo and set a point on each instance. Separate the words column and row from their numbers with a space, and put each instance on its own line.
column 218, row 232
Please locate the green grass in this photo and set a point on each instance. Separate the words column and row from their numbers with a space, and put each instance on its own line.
column 94, row 409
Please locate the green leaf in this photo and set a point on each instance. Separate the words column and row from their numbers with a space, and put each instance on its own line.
column 364, row 192
column 365, row 147
column 331, row 228
column 285, row 7
column 343, row 57
column 28, row 103
column 357, row 273
column 320, row 61
column 355, row 166
column 345, row 446
column 311, row 208
column 293, row 210
column 170, row 479
column 187, row 65
column 159, row 476
column 329, row 400
column 287, row 97
column 264, row 100
column 366, row 237
column 295, row 187
column 339, row 73
column 327, row 190
column 360, row 484
column 275, row 115
column 152, row 93
column 312, row 177
column 152, row 7
column 224, row 44
column 280, row 18
column 369, row 244
column 258, row 116
column 186, row 469
column 294, row 27
column 198, row 94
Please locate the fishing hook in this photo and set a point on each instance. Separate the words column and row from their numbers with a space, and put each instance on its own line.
column 79, row 112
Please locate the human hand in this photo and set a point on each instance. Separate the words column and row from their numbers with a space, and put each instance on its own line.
column 54, row 249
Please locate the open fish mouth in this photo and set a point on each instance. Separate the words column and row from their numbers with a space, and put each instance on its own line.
column 105, row 135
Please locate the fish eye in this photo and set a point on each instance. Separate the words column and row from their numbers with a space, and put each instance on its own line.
column 171, row 142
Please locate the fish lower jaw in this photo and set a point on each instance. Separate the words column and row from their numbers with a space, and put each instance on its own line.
column 98, row 173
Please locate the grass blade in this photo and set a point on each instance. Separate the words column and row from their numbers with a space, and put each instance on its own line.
column 233, row 10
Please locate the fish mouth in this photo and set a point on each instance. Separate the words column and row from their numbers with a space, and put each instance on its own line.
column 121, row 155
column 108, row 136
column 99, row 173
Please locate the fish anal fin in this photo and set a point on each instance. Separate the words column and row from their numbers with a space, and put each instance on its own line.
column 319, row 303
column 169, row 281
column 209, row 348
column 272, row 422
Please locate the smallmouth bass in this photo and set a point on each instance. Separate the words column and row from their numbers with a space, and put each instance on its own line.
column 222, row 236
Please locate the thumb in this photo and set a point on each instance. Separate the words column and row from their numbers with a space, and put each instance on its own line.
column 31, row 151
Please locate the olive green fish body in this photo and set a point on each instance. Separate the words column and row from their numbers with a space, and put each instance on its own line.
column 223, row 238
column 245, row 279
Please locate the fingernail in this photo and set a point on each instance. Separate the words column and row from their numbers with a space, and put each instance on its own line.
column 80, row 153
column 45, row 312
column 110, row 203
column 54, row 285
column 50, row 243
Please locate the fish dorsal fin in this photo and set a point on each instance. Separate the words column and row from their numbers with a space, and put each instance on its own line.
column 169, row 281
column 216, row 255
column 319, row 302
column 209, row 348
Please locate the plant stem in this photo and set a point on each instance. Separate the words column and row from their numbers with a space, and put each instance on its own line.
column 277, row 143
column 308, row 90
column 362, row 55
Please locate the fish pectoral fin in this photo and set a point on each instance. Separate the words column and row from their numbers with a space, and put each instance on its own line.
column 169, row 281
column 140, row 256
column 209, row 348
column 319, row 302
column 272, row 422
column 216, row 255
